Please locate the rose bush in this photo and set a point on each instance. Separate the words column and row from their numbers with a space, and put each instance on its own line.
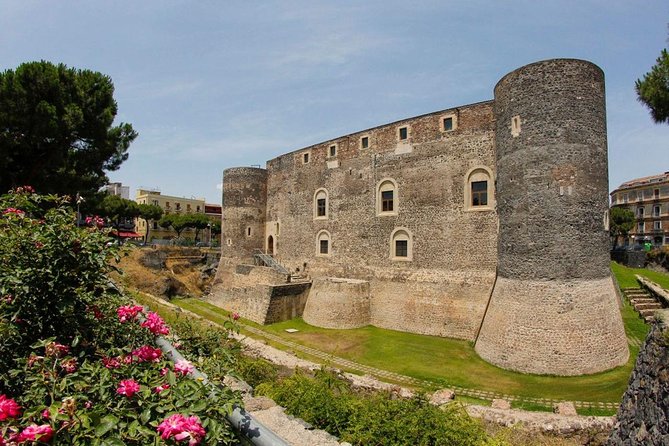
column 78, row 363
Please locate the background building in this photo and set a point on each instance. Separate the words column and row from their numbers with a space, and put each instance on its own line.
column 118, row 189
column 170, row 205
column 648, row 198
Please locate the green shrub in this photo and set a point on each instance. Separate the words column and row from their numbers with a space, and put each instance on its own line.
column 377, row 419
column 256, row 371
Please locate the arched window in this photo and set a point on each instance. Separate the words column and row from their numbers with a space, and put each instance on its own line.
column 323, row 247
column 401, row 245
column 479, row 193
column 387, row 197
column 321, row 205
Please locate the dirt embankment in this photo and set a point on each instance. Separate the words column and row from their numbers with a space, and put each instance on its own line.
column 167, row 271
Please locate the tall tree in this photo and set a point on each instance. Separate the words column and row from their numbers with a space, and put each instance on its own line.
column 197, row 222
column 149, row 212
column 621, row 222
column 653, row 89
column 118, row 209
column 57, row 129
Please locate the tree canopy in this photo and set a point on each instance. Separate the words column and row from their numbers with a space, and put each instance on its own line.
column 118, row 209
column 149, row 212
column 57, row 130
column 621, row 222
column 653, row 89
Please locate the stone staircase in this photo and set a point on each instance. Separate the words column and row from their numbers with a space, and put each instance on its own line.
column 643, row 302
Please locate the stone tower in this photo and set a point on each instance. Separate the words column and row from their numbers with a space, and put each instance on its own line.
column 244, row 208
column 553, row 309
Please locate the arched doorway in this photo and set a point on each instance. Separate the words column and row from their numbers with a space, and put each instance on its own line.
column 270, row 245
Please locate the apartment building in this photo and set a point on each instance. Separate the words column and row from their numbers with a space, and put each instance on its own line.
column 648, row 198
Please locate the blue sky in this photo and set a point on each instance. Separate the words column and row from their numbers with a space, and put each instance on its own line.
column 216, row 84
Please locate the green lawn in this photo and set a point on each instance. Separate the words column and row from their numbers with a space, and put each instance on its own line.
column 454, row 362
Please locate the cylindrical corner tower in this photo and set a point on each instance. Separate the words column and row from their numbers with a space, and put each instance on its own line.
column 244, row 208
column 554, row 308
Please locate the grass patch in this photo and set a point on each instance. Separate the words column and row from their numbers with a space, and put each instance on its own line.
column 595, row 412
column 446, row 362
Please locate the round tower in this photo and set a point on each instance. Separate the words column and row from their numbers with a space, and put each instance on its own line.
column 244, row 208
column 554, row 308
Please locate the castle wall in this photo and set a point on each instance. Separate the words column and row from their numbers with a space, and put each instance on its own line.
column 554, row 308
column 338, row 303
column 448, row 239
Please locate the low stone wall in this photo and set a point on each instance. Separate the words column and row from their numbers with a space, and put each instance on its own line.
column 632, row 259
column 643, row 417
column 338, row 303
column 258, row 293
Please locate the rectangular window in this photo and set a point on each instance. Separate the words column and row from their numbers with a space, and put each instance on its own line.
column 320, row 207
column 656, row 211
column 155, row 202
column 305, row 158
column 657, row 225
column 641, row 227
column 324, row 246
column 187, row 207
column 178, row 206
column 640, row 212
column 401, row 248
column 333, row 151
column 479, row 193
column 167, row 204
column 448, row 124
column 656, row 193
column 197, row 209
column 364, row 142
column 625, row 198
column 387, row 201
column 248, row 231
column 404, row 133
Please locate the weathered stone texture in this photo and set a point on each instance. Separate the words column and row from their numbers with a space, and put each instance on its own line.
column 258, row 293
column 244, row 201
column 553, row 327
column 338, row 303
column 553, row 309
column 643, row 416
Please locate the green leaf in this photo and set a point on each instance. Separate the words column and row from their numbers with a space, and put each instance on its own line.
column 106, row 424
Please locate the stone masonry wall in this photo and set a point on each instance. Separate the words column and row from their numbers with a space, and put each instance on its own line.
column 338, row 303
column 449, row 241
column 643, row 416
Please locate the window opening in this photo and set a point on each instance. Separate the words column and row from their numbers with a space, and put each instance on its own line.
column 448, row 124
column 656, row 211
column 387, row 201
column 364, row 142
column 324, row 246
column 403, row 133
column 305, row 158
column 479, row 193
column 333, row 151
column 401, row 248
column 320, row 207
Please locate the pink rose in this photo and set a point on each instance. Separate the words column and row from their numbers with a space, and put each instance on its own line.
column 155, row 324
column 34, row 432
column 235, row 316
column 183, row 367
column 8, row 408
column 160, row 388
column 128, row 312
column 146, row 353
column 111, row 363
column 128, row 387
column 182, row 428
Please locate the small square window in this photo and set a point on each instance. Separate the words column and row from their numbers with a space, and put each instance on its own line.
column 324, row 246
column 448, row 124
column 178, row 206
column 403, row 133
column 364, row 142
column 305, row 158
column 401, row 248
column 333, row 151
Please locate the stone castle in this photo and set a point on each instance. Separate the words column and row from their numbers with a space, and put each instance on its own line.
column 485, row 222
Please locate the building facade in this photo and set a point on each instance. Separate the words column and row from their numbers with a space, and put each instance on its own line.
column 648, row 198
column 170, row 205
column 467, row 223
column 118, row 189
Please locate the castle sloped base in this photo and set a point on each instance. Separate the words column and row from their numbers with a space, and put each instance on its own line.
column 558, row 327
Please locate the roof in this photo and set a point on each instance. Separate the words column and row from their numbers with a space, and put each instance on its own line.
column 644, row 181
